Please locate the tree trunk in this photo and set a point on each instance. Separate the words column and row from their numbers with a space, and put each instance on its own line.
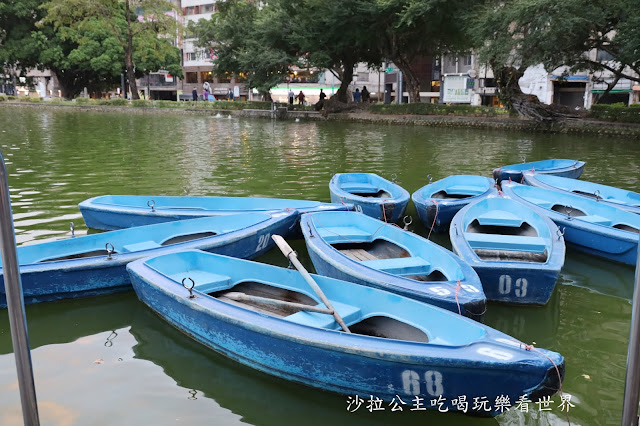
column 410, row 78
column 128, row 56
column 346, row 76
column 71, row 82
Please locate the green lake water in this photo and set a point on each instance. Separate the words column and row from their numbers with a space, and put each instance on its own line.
column 109, row 360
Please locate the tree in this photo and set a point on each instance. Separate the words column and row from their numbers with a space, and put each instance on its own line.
column 132, row 23
column 515, row 34
column 250, row 41
column 409, row 29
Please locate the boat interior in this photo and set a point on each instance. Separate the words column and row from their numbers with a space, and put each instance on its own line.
column 592, row 218
column 139, row 246
column 292, row 305
column 388, row 257
column 503, row 236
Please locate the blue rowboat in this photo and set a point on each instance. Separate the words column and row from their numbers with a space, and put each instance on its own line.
column 589, row 226
column 376, row 196
column 557, row 167
column 439, row 201
column 515, row 250
column 353, row 247
column 398, row 347
column 621, row 198
column 95, row 264
column 109, row 212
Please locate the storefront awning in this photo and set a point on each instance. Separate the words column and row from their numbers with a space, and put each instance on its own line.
column 570, row 78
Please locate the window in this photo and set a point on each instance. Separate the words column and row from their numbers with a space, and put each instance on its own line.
column 192, row 56
column 207, row 8
column 363, row 76
column 466, row 60
column 224, row 78
column 191, row 77
column 191, row 10
column 206, row 76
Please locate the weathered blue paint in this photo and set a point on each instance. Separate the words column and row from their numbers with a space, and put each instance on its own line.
column 321, row 230
column 244, row 235
column 557, row 167
column 506, row 280
column 462, row 357
column 439, row 201
column 384, row 200
column 109, row 212
column 589, row 226
column 621, row 198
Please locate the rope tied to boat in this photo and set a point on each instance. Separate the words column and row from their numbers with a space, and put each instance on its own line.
column 384, row 213
column 561, row 233
column 533, row 348
column 435, row 217
column 458, row 287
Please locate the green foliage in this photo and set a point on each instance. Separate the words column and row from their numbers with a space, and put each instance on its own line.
column 3, row 98
column 616, row 112
column 435, row 109
column 141, row 103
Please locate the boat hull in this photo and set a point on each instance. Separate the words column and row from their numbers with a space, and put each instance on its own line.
column 99, row 275
column 564, row 168
column 129, row 211
column 436, row 214
column 351, row 364
column 345, row 187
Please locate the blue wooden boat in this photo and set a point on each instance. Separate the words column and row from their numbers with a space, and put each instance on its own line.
column 95, row 264
column 109, row 212
column 516, row 250
column 621, row 198
column 589, row 226
column 376, row 196
column 439, row 201
column 258, row 315
column 557, row 167
column 353, row 247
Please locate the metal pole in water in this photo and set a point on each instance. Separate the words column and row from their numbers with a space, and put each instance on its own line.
column 15, row 304
column 632, row 381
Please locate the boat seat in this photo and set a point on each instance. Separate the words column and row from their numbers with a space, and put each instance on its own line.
column 205, row 282
column 541, row 203
column 143, row 245
column 342, row 234
column 350, row 314
column 505, row 242
column 464, row 190
column 500, row 218
column 592, row 218
column 403, row 266
column 360, row 187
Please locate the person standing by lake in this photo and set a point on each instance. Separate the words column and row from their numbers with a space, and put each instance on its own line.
column 356, row 96
column 301, row 98
column 365, row 94
column 291, row 96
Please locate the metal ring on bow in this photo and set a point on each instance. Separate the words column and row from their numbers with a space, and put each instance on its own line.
column 407, row 220
column 524, row 158
column 597, row 195
column 193, row 284
column 186, row 190
column 394, row 177
column 569, row 210
column 110, row 250
column 73, row 229
column 429, row 177
column 151, row 203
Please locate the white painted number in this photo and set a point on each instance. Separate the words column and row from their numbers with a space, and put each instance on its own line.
column 493, row 353
column 521, row 287
column 504, row 286
column 432, row 378
column 263, row 241
column 410, row 382
column 434, row 382
column 440, row 291
column 470, row 288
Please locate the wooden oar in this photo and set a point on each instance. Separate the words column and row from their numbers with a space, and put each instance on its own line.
column 293, row 258
column 242, row 297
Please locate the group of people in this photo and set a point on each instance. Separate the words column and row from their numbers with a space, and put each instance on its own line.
column 363, row 96
column 301, row 97
column 206, row 94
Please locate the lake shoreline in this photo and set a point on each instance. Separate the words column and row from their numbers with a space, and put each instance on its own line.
column 578, row 126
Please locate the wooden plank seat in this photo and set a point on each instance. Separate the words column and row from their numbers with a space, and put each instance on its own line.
column 144, row 245
column 505, row 242
column 205, row 282
column 343, row 234
column 464, row 190
column 500, row 218
column 350, row 314
column 403, row 266
column 593, row 218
